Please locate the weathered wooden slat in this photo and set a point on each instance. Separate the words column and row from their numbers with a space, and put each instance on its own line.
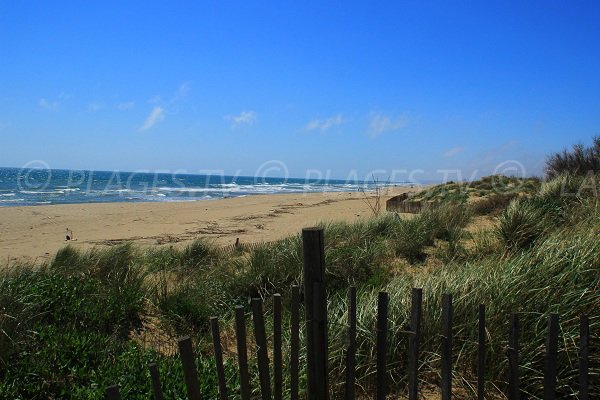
column 242, row 352
column 313, row 246
column 414, row 342
column 513, row 358
column 481, row 354
column 155, row 378
column 350, row 392
column 190, row 372
column 295, row 343
column 321, row 345
column 218, row 350
column 382, row 327
column 112, row 393
column 446, row 384
column 584, row 354
column 263, row 355
column 277, row 355
column 551, row 358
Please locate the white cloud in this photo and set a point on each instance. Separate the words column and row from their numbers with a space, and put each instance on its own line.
column 454, row 151
column 382, row 123
column 128, row 105
column 49, row 105
column 245, row 118
column 157, row 114
column 325, row 124
column 183, row 90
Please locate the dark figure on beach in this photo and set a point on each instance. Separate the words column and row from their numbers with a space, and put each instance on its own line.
column 69, row 235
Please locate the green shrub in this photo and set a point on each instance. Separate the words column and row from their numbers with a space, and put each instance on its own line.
column 199, row 254
column 521, row 224
column 412, row 236
column 492, row 204
column 267, row 269
column 579, row 161
column 187, row 308
column 444, row 219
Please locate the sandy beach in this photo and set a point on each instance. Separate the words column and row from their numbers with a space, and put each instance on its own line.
column 36, row 233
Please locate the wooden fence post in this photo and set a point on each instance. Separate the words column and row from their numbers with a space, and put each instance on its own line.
column 112, row 393
column 551, row 358
column 481, row 354
column 316, row 331
column 584, row 353
column 242, row 352
column 295, row 343
column 155, row 378
column 414, row 341
column 351, row 349
column 513, row 358
column 216, row 337
column 382, row 325
column 190, row 373
column 263, row 355
column 277, row 356
column 447, row 347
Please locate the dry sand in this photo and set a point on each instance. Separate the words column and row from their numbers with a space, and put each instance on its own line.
column 35, row 233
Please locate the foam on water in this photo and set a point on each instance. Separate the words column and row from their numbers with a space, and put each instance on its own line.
column 37, row 187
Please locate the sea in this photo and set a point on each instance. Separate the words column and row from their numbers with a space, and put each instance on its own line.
column 31, row 187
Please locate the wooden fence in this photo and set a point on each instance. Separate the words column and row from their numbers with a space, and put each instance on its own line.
column 316, row 345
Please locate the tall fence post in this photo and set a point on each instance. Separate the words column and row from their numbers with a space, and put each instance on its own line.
column 313, row 246
column 277, row 356
column 584, row 353
column 155, row 378
column 263, row 354
column 190, row 372
column 513, row 358
column 295, row 343
column 481, row 354
column 447, row 347
column 351, row 349
column 382, row 326
column 551, row 358
column 414, row 342
column 242, row 352
column 112, row 393
column 216, row 337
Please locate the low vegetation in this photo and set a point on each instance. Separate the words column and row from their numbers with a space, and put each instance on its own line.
column 90, row 319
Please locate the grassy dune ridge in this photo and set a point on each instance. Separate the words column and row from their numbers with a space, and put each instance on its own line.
column 72, row 327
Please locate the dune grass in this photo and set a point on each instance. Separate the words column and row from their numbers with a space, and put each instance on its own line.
column 69, row 328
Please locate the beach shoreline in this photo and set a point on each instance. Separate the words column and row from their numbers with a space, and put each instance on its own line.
column 35, row 233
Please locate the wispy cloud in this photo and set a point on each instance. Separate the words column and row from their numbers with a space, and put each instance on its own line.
column 159, row 110
column 157, row 114
column 381, row 123
column 245, row 118
column 96, row 106
column 181, row 92
column 49, row 105
column 128, row 105
column 325, row 124
column 454, row 151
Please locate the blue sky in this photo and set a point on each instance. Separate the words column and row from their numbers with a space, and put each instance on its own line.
column 336, row 87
